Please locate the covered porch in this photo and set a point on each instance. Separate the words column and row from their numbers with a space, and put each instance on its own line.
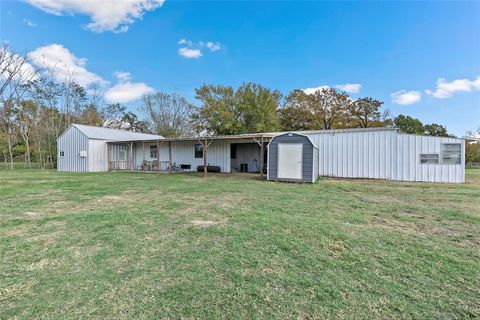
column 238, row 153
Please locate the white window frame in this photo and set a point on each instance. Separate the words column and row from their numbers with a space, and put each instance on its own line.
column 82, row 153
column 61, row 153
column 122, row 150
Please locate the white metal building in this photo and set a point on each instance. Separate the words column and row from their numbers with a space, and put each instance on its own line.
column 373, row 153
column 83, row 148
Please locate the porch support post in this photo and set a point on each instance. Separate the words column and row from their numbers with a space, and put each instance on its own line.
column 261, row 159
column 109, row 156
column 158, row 156
column 261, row 144
column 131, row 156
column 143, row 153
column 170, row 156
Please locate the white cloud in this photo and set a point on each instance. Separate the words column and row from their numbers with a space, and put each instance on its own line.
column 105, row 15
column 349, row 87
column 185, row 42
column 29, row 23
column 214, row 46
column 404, row 97
column 64, row 65
column 125, row 90
column 194, row 50
column 190, row 53
column 446, row 89
column 313, row 90
column 122, row 76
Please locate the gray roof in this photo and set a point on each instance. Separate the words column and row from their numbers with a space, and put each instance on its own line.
column 114, row 134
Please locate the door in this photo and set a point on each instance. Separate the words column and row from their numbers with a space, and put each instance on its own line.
column 289, row 162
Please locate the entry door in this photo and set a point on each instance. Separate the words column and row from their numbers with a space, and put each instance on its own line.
column 289, row 162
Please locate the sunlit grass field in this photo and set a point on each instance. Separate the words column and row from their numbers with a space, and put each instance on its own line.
column 132, row 245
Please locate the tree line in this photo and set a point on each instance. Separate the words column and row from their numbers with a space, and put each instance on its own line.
column 35, row 108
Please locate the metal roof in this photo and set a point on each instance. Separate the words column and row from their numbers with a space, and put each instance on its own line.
column 100, row 133
column 270, row 135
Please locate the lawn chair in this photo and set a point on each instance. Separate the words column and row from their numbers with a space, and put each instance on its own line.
column 154, row 165
column 143, row 166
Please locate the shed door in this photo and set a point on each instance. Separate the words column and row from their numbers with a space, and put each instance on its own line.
column 290, row 157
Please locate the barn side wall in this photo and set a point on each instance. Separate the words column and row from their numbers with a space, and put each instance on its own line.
column 385, row 154
column 71, row 142
column 359, row 154
column 409, row 168
column 308, row 158
column 97, row 155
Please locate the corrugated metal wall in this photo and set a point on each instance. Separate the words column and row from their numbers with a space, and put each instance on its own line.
column 364, row 154
column 71, row 142
column 183, row 153
column 409, row 168
column 97, row 155
column 316, row 165
column 247, row 153
column 384, row 154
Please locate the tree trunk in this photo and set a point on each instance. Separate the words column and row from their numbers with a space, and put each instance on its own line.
column 205, row 150
column 27, row 153
column 10, row 151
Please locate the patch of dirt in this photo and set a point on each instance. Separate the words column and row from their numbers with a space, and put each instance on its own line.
column 401, row 226
column 46, row 238
column 411, row 213
column 31, row 214
column 204, row 223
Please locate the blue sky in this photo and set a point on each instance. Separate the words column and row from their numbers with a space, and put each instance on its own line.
column 420, row 58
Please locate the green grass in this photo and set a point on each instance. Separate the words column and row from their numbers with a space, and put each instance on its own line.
column 126, row 245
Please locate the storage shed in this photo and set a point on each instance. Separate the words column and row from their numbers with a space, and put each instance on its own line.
column 292, row 157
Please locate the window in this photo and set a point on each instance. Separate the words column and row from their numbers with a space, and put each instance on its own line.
column 83, row 153
column 122, row 153
column 62, row 153
column 153, row 151
column 451, row 153
column 198, row 151
column 429, row 158
column 233, row 151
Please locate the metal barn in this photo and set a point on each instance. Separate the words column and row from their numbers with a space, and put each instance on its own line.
column 372, row 153
column 384, row 153
column 292, row 157
column 84, row 148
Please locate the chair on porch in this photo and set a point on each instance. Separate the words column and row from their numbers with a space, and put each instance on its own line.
column 154, row 165
column 143, row 166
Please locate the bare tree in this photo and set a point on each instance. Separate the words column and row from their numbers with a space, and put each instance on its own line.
column 15, row 75
column 168, row 114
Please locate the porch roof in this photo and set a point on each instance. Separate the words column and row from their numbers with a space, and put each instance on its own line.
column 246, row 136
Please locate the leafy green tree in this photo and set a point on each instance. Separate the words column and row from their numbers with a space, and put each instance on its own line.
column 257, row 107
column 407, row 124
column 134, row 124
column 296, row 112
column 434, row 129
column 329, row 108
column 365, row 112
column 250, row 108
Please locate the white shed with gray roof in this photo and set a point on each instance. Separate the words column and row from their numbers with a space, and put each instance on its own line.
column 83, row 148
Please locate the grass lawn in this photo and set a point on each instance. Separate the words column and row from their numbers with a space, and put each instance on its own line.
column 126, row 245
